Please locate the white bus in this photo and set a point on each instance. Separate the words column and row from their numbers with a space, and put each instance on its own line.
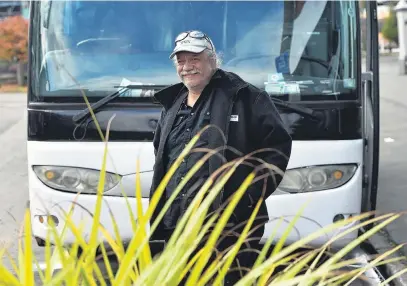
column 305, row 54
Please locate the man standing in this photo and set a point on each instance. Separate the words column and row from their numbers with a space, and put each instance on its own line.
column 246, row 116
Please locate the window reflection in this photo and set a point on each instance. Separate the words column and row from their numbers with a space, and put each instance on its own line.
column 100, row 43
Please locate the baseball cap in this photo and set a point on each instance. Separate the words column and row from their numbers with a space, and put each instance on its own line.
column 192, row 41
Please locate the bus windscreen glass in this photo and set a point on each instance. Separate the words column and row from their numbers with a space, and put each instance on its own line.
column 307, row 48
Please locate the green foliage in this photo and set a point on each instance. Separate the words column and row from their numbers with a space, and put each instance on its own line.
column 138, row 267
column 186, row 254
column 389, row 30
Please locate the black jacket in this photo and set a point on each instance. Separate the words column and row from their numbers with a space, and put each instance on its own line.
column 255, row 125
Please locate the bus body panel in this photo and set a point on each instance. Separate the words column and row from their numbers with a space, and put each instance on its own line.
column 321, row 207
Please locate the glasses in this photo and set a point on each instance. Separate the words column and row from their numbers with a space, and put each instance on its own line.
column 195, row 35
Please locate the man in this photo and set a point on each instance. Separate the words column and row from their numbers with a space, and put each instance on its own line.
column 247, row 118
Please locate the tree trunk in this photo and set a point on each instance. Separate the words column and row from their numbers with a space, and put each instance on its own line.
column 20, row 74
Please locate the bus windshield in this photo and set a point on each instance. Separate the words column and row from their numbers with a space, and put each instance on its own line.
column 308, row 48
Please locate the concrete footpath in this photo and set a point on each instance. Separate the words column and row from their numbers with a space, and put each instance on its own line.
column 392, row 192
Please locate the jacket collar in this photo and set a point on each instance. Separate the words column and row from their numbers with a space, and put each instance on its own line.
column 228, row 81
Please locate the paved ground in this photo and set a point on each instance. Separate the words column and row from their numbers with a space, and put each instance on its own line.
column 13, row 173
column 393, row 164
column 392, row 195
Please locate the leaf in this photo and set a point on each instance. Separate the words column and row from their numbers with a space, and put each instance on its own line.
column 193, row 279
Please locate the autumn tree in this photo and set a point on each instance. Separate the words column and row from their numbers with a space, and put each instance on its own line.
column 14, row 43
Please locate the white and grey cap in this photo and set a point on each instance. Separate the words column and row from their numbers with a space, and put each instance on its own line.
column 192, row 41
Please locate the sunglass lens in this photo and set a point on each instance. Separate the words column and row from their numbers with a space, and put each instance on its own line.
column 197, row 34
column 181, row 36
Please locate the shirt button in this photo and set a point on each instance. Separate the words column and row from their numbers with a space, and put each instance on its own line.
column 192, row 113
column 188, row 129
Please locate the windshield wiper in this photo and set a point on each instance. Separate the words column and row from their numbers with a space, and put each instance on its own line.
column 99, row 104
column 305, row 111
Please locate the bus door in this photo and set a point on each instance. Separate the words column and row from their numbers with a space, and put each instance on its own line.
column 371, row 107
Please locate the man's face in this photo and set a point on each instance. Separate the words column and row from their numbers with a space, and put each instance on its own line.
column 194, row 70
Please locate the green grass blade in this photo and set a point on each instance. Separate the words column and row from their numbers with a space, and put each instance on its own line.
column 394, row 276
column 255, row 272
column 314, row 263
column 297, row 266
column 93, row 240
column 39, row 271
column 279, row 245
column 107, row 263
column 74, row 254
column 60, row 277
column 120, row 250
column 85, row 98
column 13, row 263
column 145, row 253
column 21, row 256
column 133, row 219
column 48, row 274
column 197, row 240
column 232, row 254
column 160, row 189
column 338, row 277
column 175, row 265
column 218, row 229
column 342, row 252
column 374, row 262
column 59, row 247
column 177, row 190
column 267, row 245
column 347, row 275
column 133, row 250
column 99, row 277
column 7, row 277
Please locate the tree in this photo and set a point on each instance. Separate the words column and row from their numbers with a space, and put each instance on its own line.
column 389, row 30
column 14, row 43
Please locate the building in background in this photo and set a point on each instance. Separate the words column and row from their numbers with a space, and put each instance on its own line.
column 13, row 8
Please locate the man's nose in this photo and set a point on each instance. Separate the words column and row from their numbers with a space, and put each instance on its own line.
column 187, row 66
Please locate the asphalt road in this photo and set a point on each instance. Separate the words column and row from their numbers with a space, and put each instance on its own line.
column 392, row 195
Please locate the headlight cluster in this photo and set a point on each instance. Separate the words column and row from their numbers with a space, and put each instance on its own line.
column 316, row 178
column 74, row 180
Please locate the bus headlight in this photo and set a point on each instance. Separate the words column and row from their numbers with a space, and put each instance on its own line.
column 74, row 180
column 316, row 178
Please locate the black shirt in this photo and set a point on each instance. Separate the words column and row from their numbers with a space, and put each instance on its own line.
column 188, row 122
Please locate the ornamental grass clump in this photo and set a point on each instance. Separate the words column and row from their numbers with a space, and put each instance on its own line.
column 186, row 255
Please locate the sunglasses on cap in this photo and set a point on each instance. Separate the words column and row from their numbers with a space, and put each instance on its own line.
column 195, row 35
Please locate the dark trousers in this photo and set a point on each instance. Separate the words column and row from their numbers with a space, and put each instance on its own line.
column 242, row 263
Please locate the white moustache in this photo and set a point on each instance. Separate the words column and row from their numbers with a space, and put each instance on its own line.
column 189, row 73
